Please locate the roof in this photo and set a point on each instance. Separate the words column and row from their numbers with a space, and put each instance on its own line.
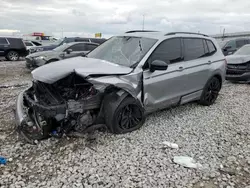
column 72, row 43
column 161, row 35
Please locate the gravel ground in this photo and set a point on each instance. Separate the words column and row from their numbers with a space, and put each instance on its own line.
column 215, row 136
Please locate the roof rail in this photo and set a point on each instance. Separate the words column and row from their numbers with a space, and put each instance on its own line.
column 173, row 33
column 135, row 31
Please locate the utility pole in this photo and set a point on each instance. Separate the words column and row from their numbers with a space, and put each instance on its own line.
column 143, row 17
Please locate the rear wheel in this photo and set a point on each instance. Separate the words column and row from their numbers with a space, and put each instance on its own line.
column 124, row 116
column 12, row 55
column 210, row 92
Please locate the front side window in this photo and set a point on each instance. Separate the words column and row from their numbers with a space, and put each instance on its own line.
column 78, row 47
column 91, row 47
column 193, row 48
column 3, row 41
column 231, row 44
column 123, row 50
column 168, row 51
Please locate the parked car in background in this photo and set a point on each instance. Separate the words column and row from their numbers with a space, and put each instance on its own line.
column 65, row 51
column 30, row 44
column 12, row 48
column 230, row 46
column 119, row 82
column 238, row 65
column 65, row 41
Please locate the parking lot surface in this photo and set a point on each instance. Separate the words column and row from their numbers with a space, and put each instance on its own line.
column 218, row 137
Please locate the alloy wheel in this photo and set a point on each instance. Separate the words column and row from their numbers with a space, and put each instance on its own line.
column 129, row 117
column 212, row 91
column 13, row 56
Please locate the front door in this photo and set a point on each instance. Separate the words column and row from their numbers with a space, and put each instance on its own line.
column 164, row 88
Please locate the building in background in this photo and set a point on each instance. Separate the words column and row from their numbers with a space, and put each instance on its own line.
column 228, row 36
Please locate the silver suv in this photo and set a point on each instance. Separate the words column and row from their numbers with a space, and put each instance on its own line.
column 119, row 82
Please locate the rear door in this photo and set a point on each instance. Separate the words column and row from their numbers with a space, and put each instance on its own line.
column 197, row 64
column 4, row 45
column 164, row 88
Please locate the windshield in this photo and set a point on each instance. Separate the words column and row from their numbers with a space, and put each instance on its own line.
column 61, row 48
column 123, row 50
column 244, row 50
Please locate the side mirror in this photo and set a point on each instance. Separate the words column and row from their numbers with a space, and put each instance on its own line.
column 158, row 65
column 68, row 51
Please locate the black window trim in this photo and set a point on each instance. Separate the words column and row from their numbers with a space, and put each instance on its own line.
column 8, row 43
column 181, row 43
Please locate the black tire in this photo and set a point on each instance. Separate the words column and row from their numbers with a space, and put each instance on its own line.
column 12, row 56
column 123, row 116
column 210, row 92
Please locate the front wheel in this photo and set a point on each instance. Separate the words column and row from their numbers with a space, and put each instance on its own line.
column 210, row 92
column 12, row 56
column 124, row 116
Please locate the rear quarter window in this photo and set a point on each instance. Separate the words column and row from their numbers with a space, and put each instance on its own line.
column 16, row 42
column 211, row 47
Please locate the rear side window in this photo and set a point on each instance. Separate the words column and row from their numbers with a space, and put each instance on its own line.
column 193, row 48
column 211, row 47
column 168, row 51
column 91, row 47
column 3, row 41
column 240, row 43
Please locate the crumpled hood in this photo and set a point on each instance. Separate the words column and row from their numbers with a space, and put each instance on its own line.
column 82, row 66
column 237, row 59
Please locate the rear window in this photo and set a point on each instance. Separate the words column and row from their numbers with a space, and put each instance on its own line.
column 193, row 48
column 3, row 41
column 99, row 41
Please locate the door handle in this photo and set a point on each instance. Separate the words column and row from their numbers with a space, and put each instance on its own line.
column 180, row 68
column 209, row 62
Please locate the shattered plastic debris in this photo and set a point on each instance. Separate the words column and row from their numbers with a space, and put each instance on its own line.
column 186, row 161
column 3, row 161
column 170, row 145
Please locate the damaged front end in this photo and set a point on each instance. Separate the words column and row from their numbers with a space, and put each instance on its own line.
column 70, row 104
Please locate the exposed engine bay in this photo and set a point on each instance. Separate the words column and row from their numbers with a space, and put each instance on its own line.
column 70, row 104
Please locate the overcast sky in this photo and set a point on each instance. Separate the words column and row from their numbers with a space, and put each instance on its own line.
column 86, row 17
